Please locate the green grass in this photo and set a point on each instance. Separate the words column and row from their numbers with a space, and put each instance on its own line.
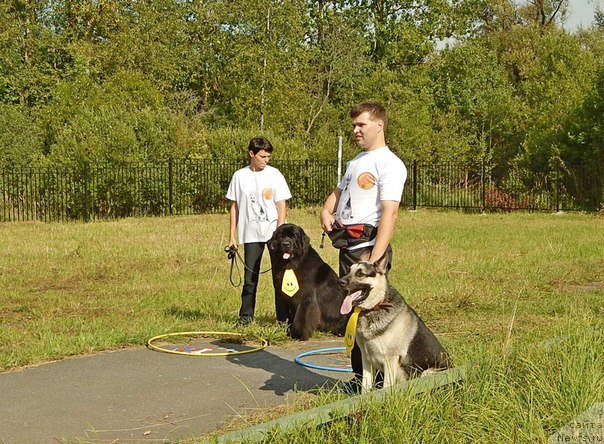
column 76, row 288
column 488, row 285
column 519, row 397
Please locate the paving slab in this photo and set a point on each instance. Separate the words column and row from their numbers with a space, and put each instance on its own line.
column 141, row 395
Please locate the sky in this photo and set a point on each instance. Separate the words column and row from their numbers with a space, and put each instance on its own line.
column 581, row 13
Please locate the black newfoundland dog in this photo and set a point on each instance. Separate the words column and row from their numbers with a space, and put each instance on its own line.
column 308, row 293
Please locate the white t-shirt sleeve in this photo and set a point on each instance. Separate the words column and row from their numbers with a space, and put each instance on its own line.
column 393, row 175
column 281, row 189
column 232, row 193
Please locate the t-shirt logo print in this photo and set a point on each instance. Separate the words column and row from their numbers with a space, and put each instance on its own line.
column 257, row 209
column 366, row 181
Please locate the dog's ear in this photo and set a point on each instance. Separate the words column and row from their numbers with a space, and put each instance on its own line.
column 303, row 239
column 365, row 255
column 382, row 263
column 272, row 242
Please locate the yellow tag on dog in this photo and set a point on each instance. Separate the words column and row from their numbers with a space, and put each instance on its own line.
column 289, row 285
column 351, row 330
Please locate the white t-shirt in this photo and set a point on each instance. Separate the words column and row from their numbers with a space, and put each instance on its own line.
column 256, row 194
column 371, row 177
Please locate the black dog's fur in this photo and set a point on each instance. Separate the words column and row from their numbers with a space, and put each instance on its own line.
column 316, row 305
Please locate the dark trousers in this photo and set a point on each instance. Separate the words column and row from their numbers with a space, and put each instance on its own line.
column 252, row 258
column 347, row 258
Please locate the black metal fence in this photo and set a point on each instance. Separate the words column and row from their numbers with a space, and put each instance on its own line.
column 96, row 192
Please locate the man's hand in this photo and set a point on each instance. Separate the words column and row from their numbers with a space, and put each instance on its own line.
column 327, row 221
column 329, row 208
column 385, row 229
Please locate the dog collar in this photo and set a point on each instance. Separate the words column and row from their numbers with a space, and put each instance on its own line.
column 381, row 305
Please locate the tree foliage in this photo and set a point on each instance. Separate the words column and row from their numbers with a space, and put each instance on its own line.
column 124, row 80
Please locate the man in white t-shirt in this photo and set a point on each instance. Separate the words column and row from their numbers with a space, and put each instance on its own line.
column 364, row 206
column 259, row 193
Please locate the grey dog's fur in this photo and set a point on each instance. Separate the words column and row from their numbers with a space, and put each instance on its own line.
column 391, row 336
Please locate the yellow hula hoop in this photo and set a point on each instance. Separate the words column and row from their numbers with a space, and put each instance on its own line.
column 264, row 344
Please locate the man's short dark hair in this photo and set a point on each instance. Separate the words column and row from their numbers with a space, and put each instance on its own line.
column 375, row 110
column 258, row 144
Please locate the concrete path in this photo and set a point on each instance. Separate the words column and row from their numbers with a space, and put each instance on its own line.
column 140, row 395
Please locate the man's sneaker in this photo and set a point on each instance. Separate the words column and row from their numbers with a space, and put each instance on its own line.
column 352, row 387
column 244, row 320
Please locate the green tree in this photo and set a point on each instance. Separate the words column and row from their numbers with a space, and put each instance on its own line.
column 581, row 145
column 20, row 137
column 124, row 119
column 26, row 52
column 472, row 90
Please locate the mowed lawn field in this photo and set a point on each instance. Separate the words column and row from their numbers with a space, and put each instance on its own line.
column 503, row 279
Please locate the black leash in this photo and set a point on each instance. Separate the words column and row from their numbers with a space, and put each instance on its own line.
column 232, row 254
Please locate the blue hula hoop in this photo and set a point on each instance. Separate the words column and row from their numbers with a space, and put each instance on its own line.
column 298, row 360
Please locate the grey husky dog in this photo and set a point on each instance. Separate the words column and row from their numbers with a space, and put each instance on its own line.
column 392, row 338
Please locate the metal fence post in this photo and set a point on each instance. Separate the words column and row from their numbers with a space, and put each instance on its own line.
column 3, row 191
column 339, row 158
column 414, row 185
column 557, row 186
column 86, row 179
column 306, row 190
column 170, row 186
column 482, row 186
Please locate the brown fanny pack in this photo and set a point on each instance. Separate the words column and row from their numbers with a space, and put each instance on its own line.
column 347, row 236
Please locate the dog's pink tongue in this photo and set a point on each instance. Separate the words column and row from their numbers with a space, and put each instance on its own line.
column 286, row 255
column 347, row 304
